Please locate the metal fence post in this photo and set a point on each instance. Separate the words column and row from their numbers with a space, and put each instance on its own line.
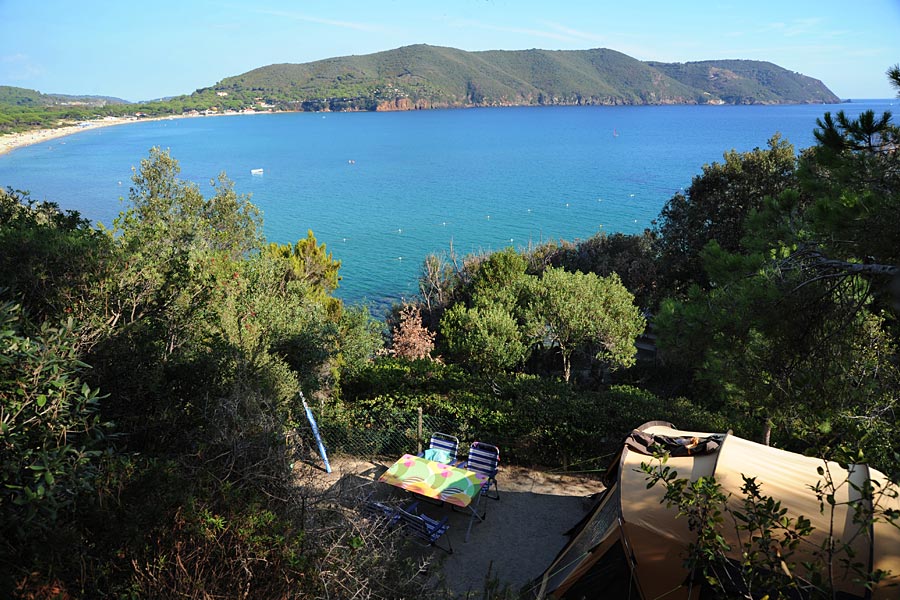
column 419, row 432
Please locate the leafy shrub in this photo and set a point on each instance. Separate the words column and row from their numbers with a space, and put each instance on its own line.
column 51, row 435
column 534, row 420
column 49, row 259
column 487, row 338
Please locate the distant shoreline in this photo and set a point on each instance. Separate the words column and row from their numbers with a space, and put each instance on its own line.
column 14, row 141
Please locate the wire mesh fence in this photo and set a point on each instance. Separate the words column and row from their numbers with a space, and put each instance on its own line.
column 389, row 433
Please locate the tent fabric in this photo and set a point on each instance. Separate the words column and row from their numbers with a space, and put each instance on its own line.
column 630, row 518
column 658, row 539
column 602, row 526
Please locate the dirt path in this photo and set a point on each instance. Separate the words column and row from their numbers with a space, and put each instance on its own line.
column 522, row 533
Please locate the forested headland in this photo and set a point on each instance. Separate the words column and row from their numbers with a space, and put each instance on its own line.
column 423, row 76
column 151, row 373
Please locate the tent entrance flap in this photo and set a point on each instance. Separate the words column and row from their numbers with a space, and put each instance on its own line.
column 587, row 545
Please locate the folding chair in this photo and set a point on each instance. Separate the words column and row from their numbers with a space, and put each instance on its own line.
column 424, row 528
column 443, row 447
column 485, row 459
column 380, row 514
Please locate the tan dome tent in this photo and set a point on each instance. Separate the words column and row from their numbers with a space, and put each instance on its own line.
column 630, row 545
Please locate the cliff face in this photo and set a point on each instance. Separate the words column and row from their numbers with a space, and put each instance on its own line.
column 401, row 104
column 422, row 77
column 406, row 104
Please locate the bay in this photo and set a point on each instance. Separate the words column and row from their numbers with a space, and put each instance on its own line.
column 383, row 190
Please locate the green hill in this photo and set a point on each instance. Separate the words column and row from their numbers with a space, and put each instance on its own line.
column 22, row 109
column 16, row 96
column 748, row 81
column 425, row 76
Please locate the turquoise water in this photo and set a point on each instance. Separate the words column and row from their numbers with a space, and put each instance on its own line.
column 383, row 190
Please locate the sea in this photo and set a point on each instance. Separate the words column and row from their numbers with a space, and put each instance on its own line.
column 384, row 190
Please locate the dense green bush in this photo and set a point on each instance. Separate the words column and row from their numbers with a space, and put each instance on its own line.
column 51, row 436
column 51, row 261
column 535, row 420
column 200, row 344
column 487, row 338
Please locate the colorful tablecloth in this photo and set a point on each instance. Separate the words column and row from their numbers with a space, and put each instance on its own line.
column 435, row 480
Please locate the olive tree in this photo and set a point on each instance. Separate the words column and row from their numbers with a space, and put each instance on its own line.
column 574, row 310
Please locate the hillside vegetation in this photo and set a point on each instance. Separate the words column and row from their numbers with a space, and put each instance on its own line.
column 22, row 109
column 425, row 76
column 422, row 76
column 747, row 81
column 25, row 97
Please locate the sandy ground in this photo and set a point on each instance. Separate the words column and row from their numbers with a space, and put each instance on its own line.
column 11, row 141
column 521, row 534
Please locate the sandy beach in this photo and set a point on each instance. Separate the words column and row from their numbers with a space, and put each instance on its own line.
column 11, row 141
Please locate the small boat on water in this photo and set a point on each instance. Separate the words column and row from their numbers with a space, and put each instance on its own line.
column 256, row 171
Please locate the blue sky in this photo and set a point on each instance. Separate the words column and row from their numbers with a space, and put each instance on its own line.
column 144, row 50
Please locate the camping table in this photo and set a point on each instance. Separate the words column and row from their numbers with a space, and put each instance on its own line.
column 438, row 481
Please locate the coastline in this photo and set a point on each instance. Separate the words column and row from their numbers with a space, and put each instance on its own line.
column 13, row 141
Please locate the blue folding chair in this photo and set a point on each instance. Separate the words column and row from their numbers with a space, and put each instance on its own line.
column 442, row 448
column 380, row 514
column 425, row 529
column 485, row 459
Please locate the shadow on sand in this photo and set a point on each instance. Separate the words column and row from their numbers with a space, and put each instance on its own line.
column 521, row 534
